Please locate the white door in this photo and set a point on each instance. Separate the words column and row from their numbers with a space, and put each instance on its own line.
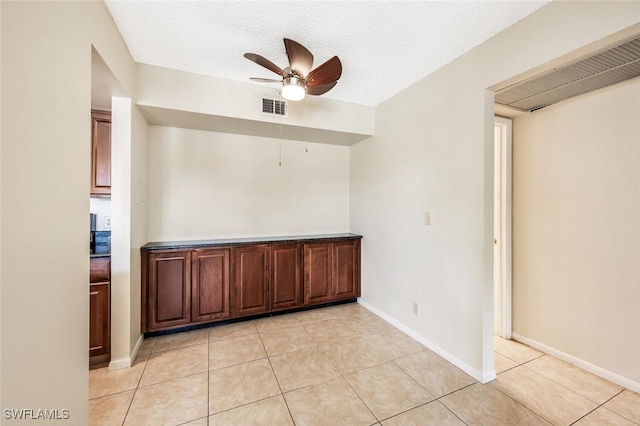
column 502, row 229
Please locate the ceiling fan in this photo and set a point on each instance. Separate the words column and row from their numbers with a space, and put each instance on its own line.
column 298, row 79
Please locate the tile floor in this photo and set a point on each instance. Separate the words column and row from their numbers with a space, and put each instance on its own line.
column 342, row 365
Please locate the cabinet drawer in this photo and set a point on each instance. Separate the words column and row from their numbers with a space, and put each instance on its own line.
column 100, row 270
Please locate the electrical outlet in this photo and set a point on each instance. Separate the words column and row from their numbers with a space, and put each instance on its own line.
column 416, row 308
column 427, row 218
column 107, row 222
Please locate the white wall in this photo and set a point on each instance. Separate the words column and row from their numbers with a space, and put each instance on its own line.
column 433, row 151
column 1, row 222
column 45, row 154
column 102, row 208
column 213, row 185
column 121, row 142
column 139, row 213
column 233, row 104
column 576, row 234
column 129, row 140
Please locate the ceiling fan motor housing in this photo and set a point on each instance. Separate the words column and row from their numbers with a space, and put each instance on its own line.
column 298, row 79
column 293, row 88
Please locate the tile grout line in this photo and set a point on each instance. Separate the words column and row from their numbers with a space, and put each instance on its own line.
column 208, row 369
column 523, row 364
column 449, row 409
column 435, row 399
column 542, row 416
column 158, row 353
column 518, row 363
column 343, row 374
column 582, row 417
column 135, row 392
column 451, row 393
column 360, row 398
column 602, row 406
column 275, row 376
column 454, row 391
column 598, row 405
column 411, row 377
column 521, row 403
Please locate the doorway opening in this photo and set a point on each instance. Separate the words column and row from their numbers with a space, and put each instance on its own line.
column 502, row 228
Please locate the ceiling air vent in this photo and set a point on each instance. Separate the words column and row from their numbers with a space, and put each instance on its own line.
column 611, row 66
column 275, row 107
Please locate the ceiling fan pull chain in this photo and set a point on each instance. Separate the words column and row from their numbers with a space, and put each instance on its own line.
column 306, row 123
column 280, row 143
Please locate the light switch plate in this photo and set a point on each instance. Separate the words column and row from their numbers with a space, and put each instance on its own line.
column 107, row 222
column 427, row 218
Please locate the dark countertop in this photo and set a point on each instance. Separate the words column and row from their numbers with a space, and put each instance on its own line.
column 99, row 255
column 239, row 241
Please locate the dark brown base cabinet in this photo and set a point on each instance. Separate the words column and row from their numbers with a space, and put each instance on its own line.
column 286, row 276
column 267, row 278
column 331, row 271
column 169, row 289
column 99, row 311
column 210, row 284
column 186, row 284
column 251, row 280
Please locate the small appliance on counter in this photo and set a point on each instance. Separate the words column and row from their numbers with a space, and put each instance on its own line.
column 102, row 242
column 92, row 233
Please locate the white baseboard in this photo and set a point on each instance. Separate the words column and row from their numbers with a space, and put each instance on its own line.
column 136, row 348
column 120, row 363
column 587, row 366
column 476, row 374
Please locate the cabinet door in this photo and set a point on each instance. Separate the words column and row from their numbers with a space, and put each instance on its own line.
column 251, row 279
column 317, row 273
column 169, row 289
column 100, row 270
column 99, row 318
column 346, row 270
column 285, row 276
column 100, row 153
column 210, row 284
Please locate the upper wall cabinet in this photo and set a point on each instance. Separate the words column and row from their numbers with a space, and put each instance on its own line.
column 100, row 153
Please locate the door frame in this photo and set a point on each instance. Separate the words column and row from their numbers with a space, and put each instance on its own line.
column 502, row 226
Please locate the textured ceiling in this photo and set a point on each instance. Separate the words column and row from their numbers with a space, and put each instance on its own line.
column 384, row 46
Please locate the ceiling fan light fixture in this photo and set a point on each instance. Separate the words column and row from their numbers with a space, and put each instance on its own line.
column 298, row 79
column 293, row 88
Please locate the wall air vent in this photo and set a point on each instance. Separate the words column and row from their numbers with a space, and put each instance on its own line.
column 602, row 69
column 275, row 107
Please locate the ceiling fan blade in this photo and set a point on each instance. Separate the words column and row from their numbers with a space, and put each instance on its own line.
column 265, row 80
column 300, row 59
column 261, row 60
column 326, row 73
column 322, row 89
